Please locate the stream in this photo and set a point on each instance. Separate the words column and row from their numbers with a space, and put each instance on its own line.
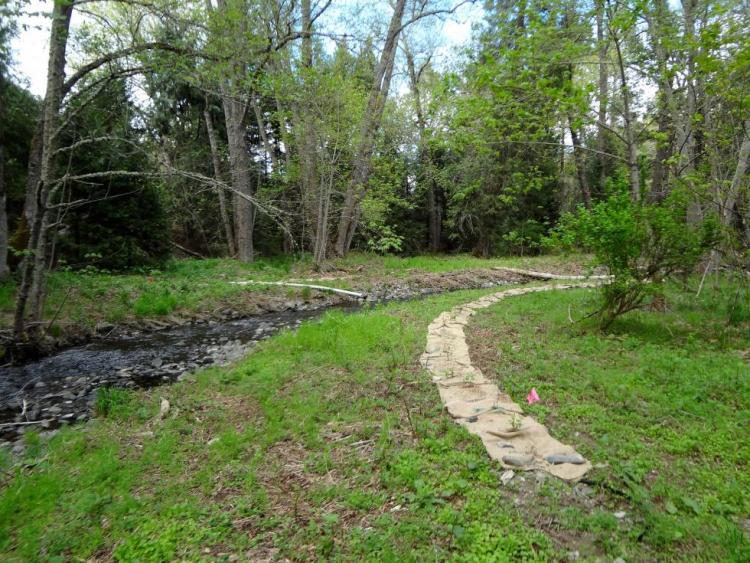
column 61, row 389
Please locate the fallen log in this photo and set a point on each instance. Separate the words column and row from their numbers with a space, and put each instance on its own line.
column 311, row 286
column 548, row 276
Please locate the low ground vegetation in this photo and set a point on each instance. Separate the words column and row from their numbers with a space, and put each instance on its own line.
column 330, row 442
column 194, row 287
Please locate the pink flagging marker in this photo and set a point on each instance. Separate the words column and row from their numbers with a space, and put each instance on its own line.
column 533, row 396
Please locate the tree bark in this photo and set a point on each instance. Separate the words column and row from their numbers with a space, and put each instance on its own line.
column 580, row 164
column 357, row 187
column 32, row 290
column 4, row 271
column 216, row 161
column 743, row 159
column 601, row 134
column 634, row 173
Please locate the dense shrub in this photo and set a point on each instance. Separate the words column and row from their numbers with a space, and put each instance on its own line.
column 640, row 244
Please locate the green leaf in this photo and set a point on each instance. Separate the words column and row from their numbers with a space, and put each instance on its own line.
column 692, row 504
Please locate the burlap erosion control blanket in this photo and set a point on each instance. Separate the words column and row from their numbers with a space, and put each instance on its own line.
column 515, row 440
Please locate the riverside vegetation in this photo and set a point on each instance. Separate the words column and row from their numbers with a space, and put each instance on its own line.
column 330, row 442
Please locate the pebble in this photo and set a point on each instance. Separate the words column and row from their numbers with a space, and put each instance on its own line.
column 620, row 514
column 555, row 459
column 518, row 460
column 541, row 478
column 507, row 477
column 583, row 490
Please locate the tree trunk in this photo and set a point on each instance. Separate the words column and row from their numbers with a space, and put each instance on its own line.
column 34, row 172
column 687, row 162
column 580, row 164
column 743, row 159
column 216, row 161
column 315, row 193
column 630, row 137
column 434, row 212
column 664, row 103
column 235, row 113
column 435, row 216
column 4, row 271
column 34, row 266
column 239, row 162
column 357, row 187
column 601, row 138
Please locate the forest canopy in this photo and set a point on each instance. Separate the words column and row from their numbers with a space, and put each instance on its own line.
column 258, row 127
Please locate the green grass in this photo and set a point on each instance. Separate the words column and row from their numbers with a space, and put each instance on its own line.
column 184, row 286
column 663, row 401
column 400, row 266
column 188, row 287
column 325, row 443
column 331, row 443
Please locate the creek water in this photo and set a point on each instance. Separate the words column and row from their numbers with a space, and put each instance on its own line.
column 62, row 388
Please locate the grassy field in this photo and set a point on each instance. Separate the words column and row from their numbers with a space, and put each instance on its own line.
column 331, row 443
column 185, row 287
column 661, row 404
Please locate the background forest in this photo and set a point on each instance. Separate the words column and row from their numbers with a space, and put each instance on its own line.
column 258, row 127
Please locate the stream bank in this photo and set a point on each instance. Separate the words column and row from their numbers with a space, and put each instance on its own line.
column 61, row 389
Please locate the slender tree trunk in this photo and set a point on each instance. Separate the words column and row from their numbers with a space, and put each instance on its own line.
column 34, row 172
column 370, row 124
column 34, row 266
column 743, row 160
column 694, row 85
column 4, row 271
column 286, row 196
column 239, row 162
column 601, row 133
column 434, row 214
column 216, row 161
column 580, row 164
column 664, row 103
column 315, row 193
column 630, row 137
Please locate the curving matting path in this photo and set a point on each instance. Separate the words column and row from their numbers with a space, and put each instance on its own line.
column 517, row 441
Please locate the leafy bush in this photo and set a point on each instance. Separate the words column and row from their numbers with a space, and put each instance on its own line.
column 156, row 302
column 112, row 401
column 640, row 244
column 384, row 240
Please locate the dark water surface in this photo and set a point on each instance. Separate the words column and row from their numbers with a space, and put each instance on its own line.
column 61, row 388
